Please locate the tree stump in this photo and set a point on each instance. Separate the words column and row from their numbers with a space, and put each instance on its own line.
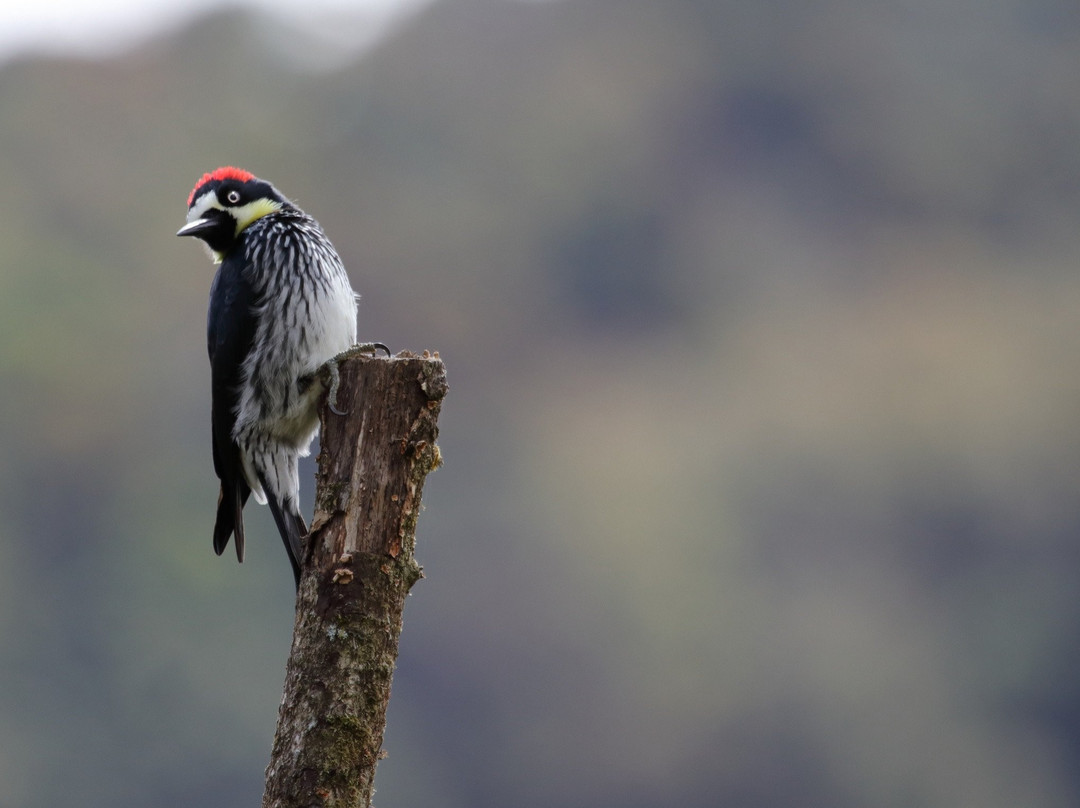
column 359, row 566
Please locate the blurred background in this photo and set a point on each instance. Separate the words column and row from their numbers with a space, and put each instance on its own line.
column 762, row 325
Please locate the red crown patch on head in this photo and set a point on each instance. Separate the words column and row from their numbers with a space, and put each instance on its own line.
column 223, row 173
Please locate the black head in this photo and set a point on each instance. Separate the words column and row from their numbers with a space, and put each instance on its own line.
column 225, row 202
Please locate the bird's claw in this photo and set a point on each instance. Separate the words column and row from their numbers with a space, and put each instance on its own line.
column 335, row 376
column 373, row 348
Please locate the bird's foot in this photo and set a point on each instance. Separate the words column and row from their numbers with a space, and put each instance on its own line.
column 335, row 383
column 335, row 376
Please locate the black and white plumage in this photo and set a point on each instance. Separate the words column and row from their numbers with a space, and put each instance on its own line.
column 281, row 306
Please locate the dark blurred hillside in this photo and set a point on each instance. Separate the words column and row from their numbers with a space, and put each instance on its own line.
column 763, row 442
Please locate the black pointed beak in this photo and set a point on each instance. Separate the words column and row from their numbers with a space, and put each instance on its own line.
column 199, row 227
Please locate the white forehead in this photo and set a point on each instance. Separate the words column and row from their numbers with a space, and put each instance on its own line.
column 203, row 204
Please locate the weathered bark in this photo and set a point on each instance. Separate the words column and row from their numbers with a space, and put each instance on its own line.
column 358, row 569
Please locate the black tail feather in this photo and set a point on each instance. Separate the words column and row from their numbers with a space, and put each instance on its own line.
column 230, row 517
column 292, row 528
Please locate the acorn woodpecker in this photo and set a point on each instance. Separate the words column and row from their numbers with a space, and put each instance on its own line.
column 281, row 306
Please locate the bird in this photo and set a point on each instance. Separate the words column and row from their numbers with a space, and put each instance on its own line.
column 281, row 306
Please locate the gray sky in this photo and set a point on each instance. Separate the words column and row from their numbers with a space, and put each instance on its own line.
column 65, row 26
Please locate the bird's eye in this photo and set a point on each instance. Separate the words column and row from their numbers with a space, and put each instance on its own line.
column 232, row 197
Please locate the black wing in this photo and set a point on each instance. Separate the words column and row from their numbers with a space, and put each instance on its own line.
column 230, row 332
